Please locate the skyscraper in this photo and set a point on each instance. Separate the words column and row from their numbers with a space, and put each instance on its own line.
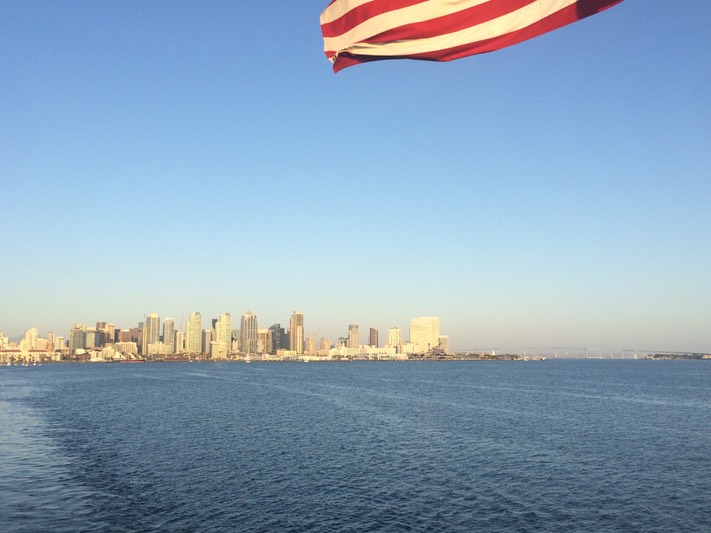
column 394, row 339
column 264, row 343
column 50, row 341
column 223, row 331
column 169, row 335
column 151, row 332
column 279, row 339
column 193, row 333
column 373, row 338
column 206, row 340
column 296, row 332
column 77, row 337
column 311, row 345
column 353, row 337
column 248, row 333
column 31, row 336
column 179, row 342
column 424, row 332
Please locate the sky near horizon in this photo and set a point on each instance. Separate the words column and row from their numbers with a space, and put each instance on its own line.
column 169, row 157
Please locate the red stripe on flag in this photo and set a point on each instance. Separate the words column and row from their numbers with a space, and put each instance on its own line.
column 360, row 14
column 461, row 20
column 450, row 23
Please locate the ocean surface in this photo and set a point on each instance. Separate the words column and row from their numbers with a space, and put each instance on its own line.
column 555, row 446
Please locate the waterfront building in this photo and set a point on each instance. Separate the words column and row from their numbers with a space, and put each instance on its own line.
column 206, row 340
column 90, row 338
column 157, row 348
column 193, row 333
column 296, row 332
column 373, row 338
column 223, row 330
column 218, row 350
column 353, row 340
column 151, row 332
column 324, row 344
column 444, row 343
column 394, row 339
column 424, row 332
column 169, row 335
column 105, row 333
column 31, row 336
column 235, row 340
column 179, row 342
column 279, row 338
column 311, row 345
column 101, row 338
column 263, row 340
column 126, row 347
column 77, row 338
column 141, row 338
column 248, row 333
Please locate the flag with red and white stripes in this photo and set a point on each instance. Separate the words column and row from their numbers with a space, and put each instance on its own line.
column 356, row 31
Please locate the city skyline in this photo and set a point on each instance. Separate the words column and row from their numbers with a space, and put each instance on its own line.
column 107, row 341
column 164, row 159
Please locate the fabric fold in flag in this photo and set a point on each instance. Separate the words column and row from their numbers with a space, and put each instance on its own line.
column 357, row 31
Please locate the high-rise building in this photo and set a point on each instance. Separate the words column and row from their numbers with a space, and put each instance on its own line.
column 424, row 332
column 151, row 332
column 105, row 334
column 311, row 345
column 141, row 337
column 324, row 343
column 50, row 341
column 263, row 341
column 77, row 338
column 444, row 343
column 280, row 341
column 353, row 336
column 373, row 338
column 248, row 333
column 31, row 336
column 223, row 331
column 394, row 339
column 169, row 335
column 206, row 340
column 235, row 340
column 179, row 342
column 296, row 332
column 101, row 338
column 193, row 333
column 90, row 338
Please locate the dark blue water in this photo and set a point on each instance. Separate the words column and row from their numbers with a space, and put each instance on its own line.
column 442, row 446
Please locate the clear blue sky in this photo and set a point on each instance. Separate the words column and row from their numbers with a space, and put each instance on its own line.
column 172, row 157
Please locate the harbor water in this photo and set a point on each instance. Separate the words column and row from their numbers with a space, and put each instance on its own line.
column 558, row 445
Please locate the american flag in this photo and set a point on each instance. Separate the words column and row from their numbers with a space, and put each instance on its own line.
column 356, row 31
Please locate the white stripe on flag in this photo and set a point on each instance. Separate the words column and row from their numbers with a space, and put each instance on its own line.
column 399, row 17
column 516, row 20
